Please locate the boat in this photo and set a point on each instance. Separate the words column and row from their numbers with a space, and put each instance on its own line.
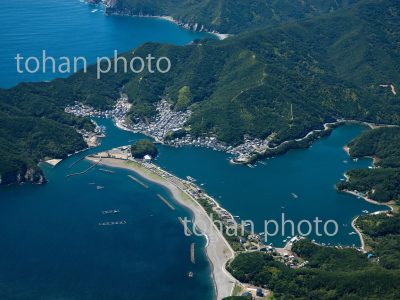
column 295, row 196
column 94, row 10
column 365, row 211
column 190, row 274
column 112, row 211
column 191, row 179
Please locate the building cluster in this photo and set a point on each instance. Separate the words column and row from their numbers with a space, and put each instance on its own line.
column 92, row 138
column 118, row 112
column 166, row 121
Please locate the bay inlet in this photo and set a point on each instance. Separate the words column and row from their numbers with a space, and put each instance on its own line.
column 57, row 242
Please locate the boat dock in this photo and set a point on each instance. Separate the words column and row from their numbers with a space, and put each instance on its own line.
column 138, row 181
column 192, row 255
column 188, row 232
column 166, row 202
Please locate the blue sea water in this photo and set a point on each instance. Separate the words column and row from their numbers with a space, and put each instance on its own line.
column 52, row 246
column 72, row 28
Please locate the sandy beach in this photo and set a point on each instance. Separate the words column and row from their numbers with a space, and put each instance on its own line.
column 218, row 250
column 356, row 194
column 53, row 162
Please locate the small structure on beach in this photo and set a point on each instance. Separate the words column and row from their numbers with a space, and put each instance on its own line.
column 147, row 158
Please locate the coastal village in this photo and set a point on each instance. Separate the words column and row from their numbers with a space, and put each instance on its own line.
column 167, row 122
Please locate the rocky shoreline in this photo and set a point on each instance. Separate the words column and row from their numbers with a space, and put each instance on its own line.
column 111, row 8
column 28, row 175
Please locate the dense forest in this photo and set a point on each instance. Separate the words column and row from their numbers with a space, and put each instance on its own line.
column 381, row 183
column 326, row 67
column 142, row 148
column 229, row 16
column 382, row 143
column 330, row 274
column 252, row 80
column 34, row 127
column 383, row 236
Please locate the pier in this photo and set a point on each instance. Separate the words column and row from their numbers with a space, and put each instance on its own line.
column 138, row 181
column 75, row 162
column 166, row 202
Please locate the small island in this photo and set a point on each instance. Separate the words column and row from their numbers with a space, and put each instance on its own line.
column 144, row 148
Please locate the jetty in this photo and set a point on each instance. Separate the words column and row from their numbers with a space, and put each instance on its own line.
column 83, row 172
column 75, row 162
column 166, row 202
column 107, row 171
column 138, row 181
column 192, row 255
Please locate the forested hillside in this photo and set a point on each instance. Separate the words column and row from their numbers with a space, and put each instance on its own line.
column 230, row 16
column 382, row 183
column 34, row 126
column 330, row 274
column 325, row 67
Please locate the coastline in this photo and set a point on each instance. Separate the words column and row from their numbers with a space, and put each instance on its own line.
column 192, row 27
column 53, row 162
column 346, row 148
column 353, row 222
column 218, row 251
